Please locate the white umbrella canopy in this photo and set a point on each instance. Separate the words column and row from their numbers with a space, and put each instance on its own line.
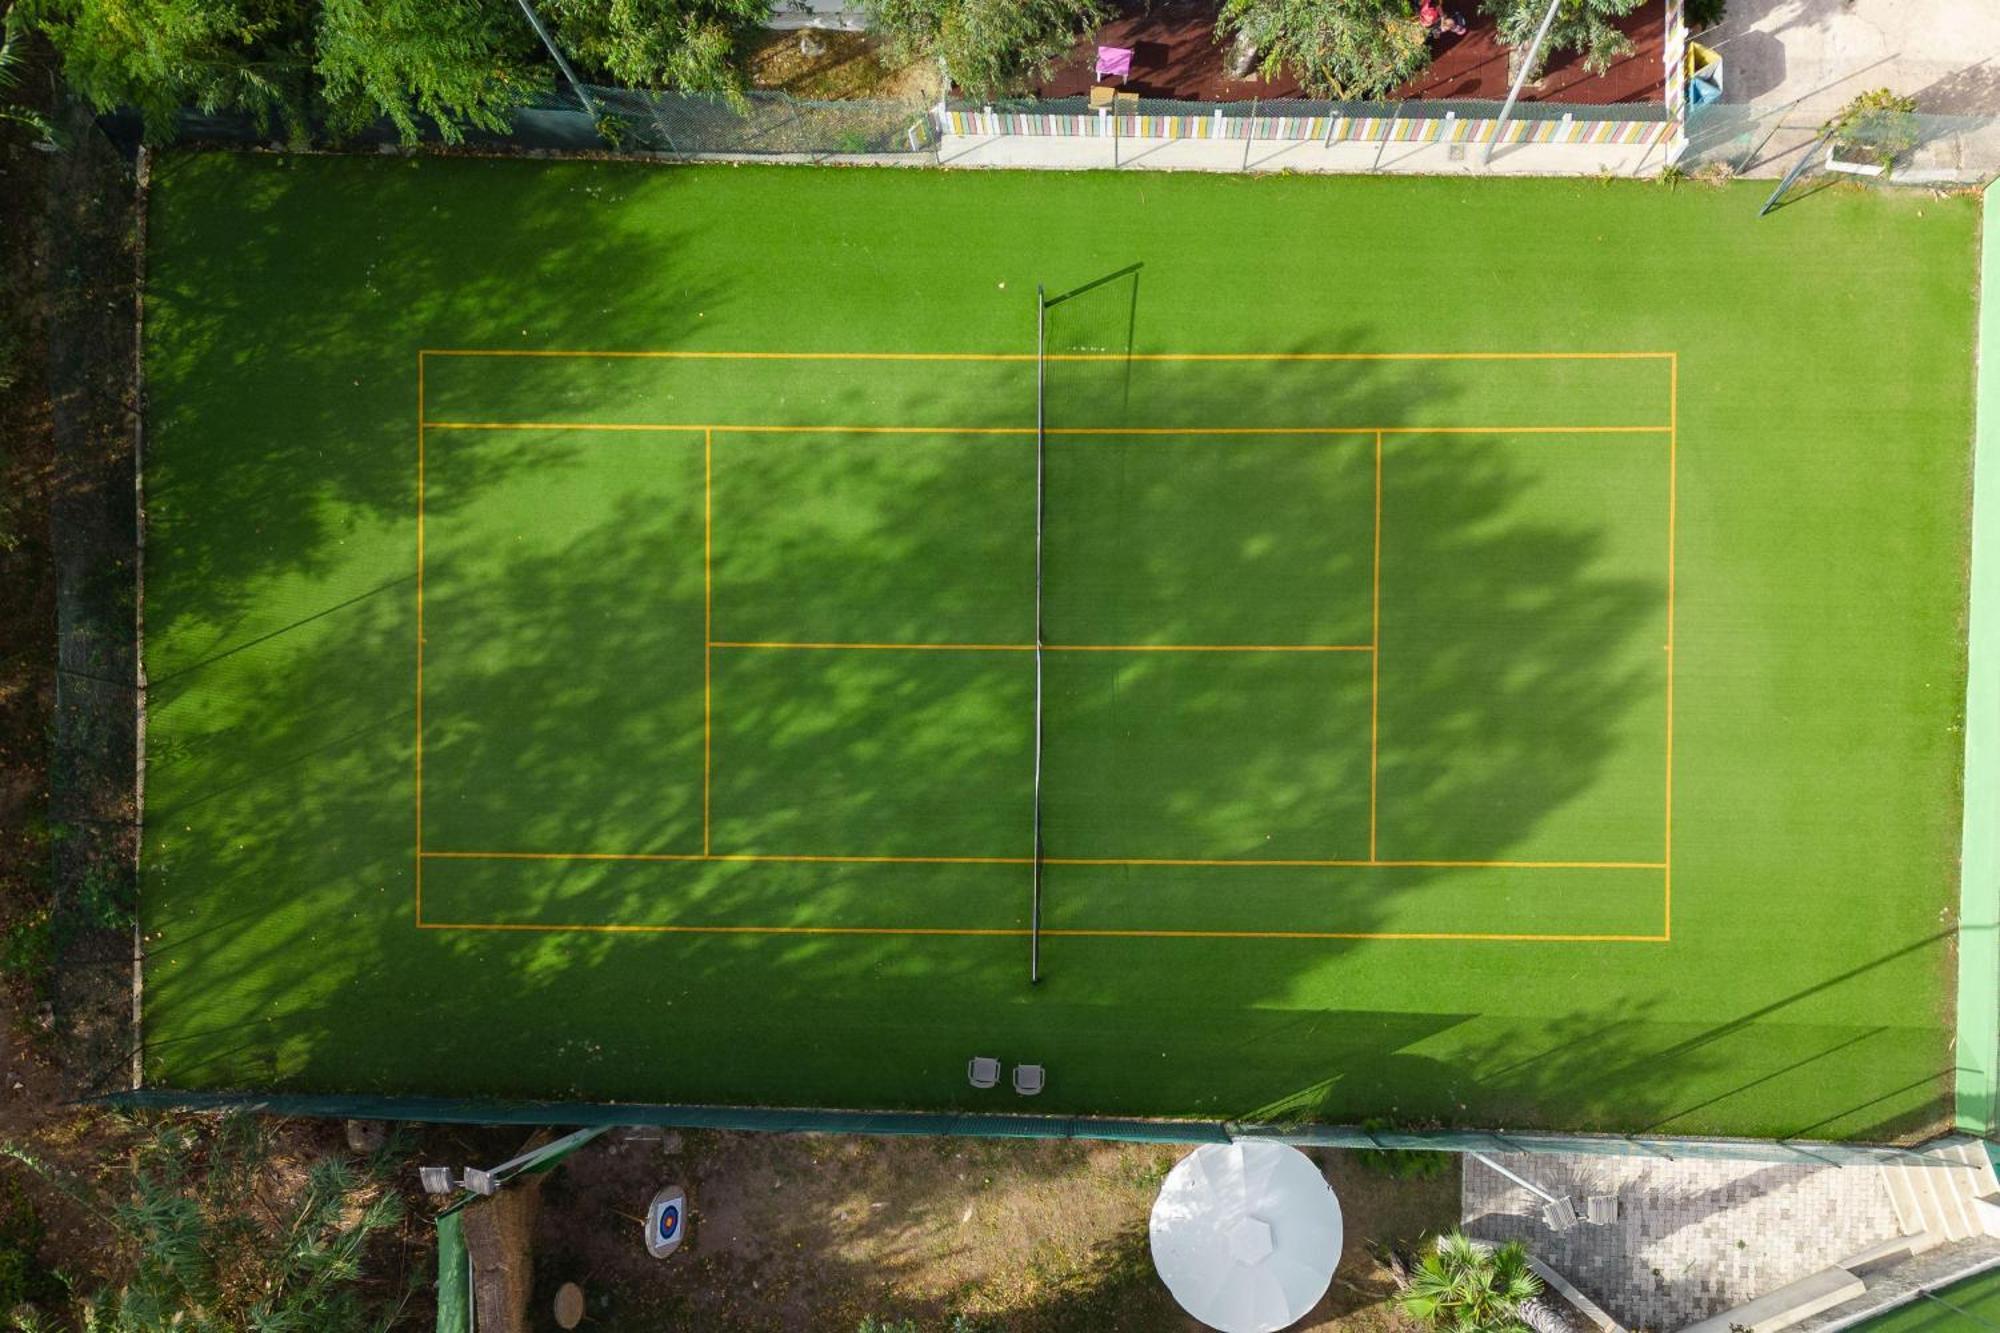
column 1246, row 1235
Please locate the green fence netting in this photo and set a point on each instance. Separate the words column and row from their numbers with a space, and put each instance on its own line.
column 808, row 1120
column 1978, row 1062
column 93, row 739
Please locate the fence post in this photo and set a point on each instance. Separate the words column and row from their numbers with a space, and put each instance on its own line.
column 1527, row 65
column 562, row 61
column 1248, row 131
column 1388, row 132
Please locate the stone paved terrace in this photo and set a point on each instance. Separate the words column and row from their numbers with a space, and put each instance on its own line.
column 1692, row 1237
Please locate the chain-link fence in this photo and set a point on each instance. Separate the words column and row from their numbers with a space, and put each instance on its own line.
column 1466, row 121
column 759, row 123
column 93, row 766
column 808, row 1120
column 1752, row 140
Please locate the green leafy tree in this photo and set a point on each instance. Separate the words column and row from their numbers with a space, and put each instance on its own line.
column 691, row 45
column 989, row 47
column 1464, row 1287
column 457, row 62
column 12, row 112
column 1585, row 26
column 159, row 56
column 1345, row 49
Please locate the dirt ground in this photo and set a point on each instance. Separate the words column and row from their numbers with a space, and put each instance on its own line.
column 850, row 64
column 819, row 1232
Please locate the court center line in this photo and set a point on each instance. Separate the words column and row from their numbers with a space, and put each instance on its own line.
column 813, row 646
column 707, row 623
column 1375, row 660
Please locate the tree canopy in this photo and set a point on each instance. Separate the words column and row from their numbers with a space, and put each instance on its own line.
column 990, row 47
column 1347, row 49
column 1580, row 25
column 458, row 63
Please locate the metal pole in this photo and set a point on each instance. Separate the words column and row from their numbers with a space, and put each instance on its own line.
column 1527, row 66
column 1532, row 1188
column 1387, row 134
column 562, row 61
column 1805, row 160
column 1249, row 130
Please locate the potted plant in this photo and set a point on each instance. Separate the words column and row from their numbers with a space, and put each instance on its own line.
column 1865, row 137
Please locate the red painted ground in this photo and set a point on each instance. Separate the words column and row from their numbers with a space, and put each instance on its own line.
column 1176, row 56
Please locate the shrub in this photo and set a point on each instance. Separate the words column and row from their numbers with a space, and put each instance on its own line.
column 1465, row 1287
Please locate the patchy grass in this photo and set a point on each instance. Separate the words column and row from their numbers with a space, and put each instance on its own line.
column 824, row 1232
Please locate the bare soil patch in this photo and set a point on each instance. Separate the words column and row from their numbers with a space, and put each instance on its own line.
column 855, row 65
column 820, row 1232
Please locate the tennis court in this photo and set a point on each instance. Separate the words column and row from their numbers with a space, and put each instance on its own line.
column 621, row 633
column 837, row 649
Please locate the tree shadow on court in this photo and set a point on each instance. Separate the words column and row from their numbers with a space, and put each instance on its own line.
column 558, row 718
column 286, row 302
column 549, row 716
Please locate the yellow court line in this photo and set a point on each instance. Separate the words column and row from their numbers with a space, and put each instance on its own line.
column 615, row 929
column 1375, row 663
column 787, row 858
column 801, row 646
column 1052, row 356
column 419, row 871
column 1071, row 933
column 707, row 621
column 1303, row 864
column 1113, row 432
column 1673, row 505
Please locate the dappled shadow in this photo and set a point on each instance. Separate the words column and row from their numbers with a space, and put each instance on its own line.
column 1519, row 715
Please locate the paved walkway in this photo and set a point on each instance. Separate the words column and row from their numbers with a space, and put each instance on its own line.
column 1797, row 61
column 1692, row 1238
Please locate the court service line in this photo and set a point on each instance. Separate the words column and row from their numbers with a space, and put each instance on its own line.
column 812, row 858
column 612, row 355
column 804, row 646
column 1068, row 933
column 1111, row 432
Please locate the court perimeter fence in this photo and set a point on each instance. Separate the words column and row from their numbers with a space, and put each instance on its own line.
column 772, row 124
column 1978, row 1049
column 944, row 1124
column 96, row 741
column 776, row 125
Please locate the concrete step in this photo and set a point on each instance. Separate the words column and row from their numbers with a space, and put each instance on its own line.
column 1939, row 1201
column 1975, row 1174
column 1957, row 1197
column 1903, row 1199
column 1788, row 1305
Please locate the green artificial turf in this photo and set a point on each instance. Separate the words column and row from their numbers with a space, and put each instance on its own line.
column 1959, row 1308
column 1459, row 789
